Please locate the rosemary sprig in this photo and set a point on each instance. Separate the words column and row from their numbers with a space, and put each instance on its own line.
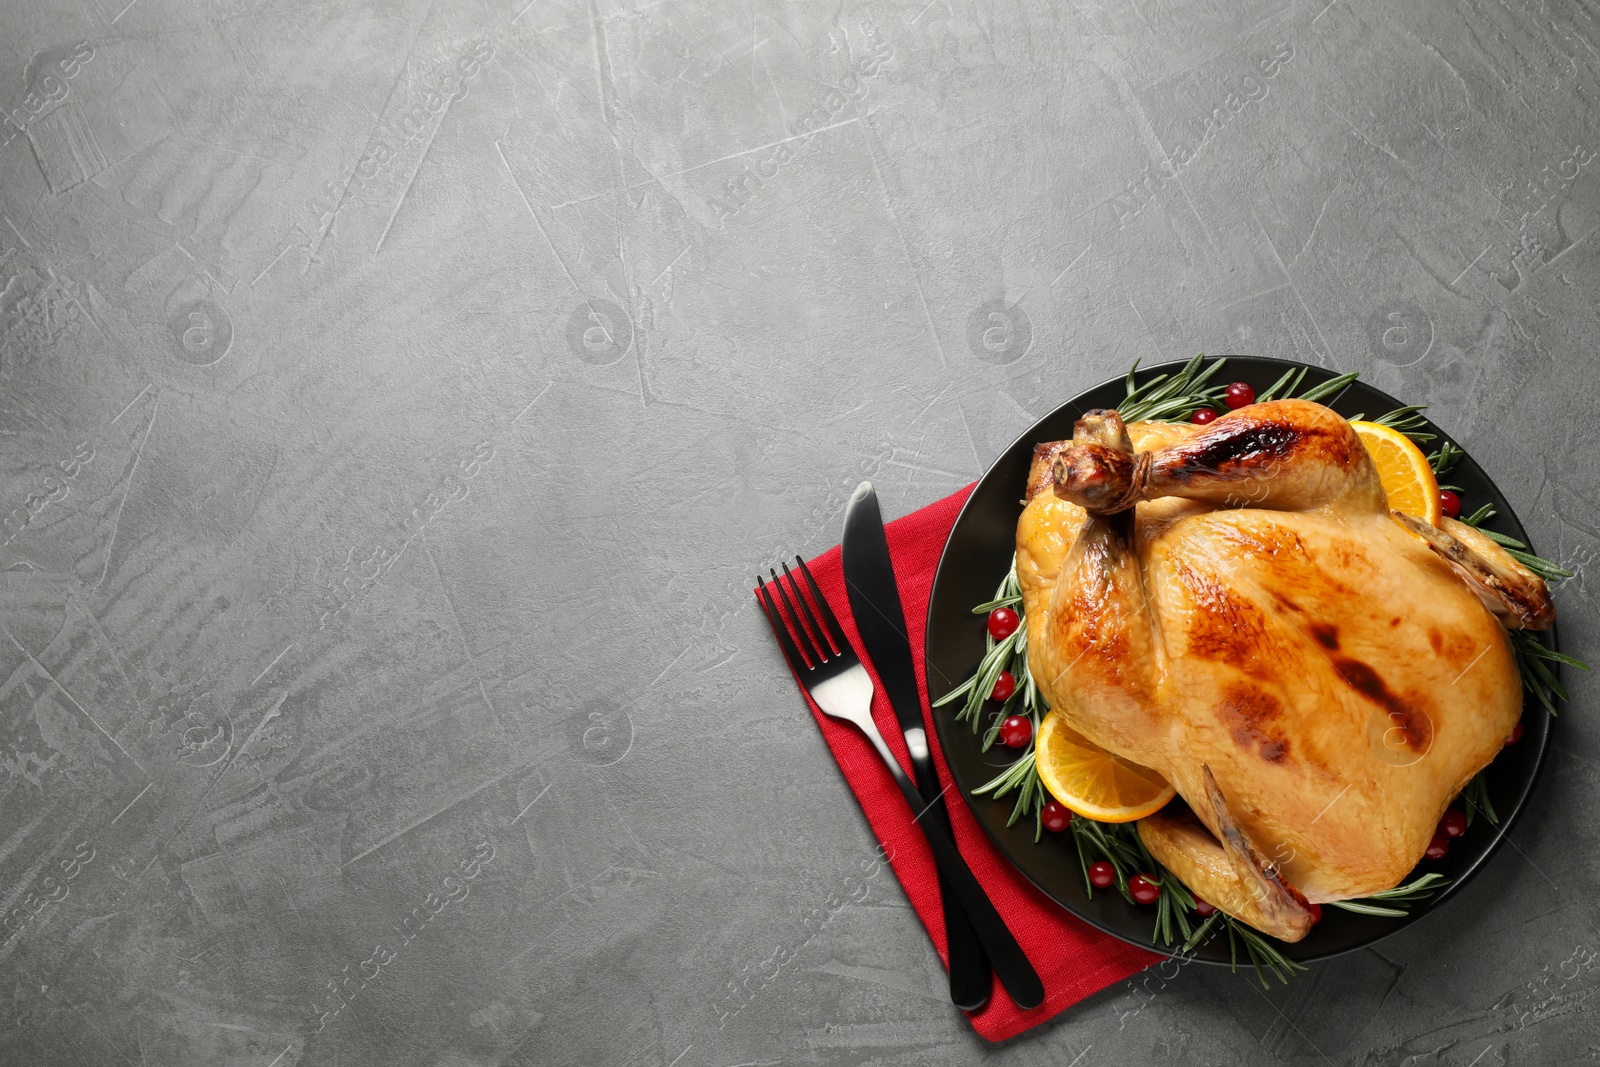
column 1420, row 889
column 1009, row 653
column 1476, row 795
column 1333, row 385
column 1532, row 657
column 1174, row 397
column 1116, row 843
column 1172, row 909
column 1022, row 774
column 1285, row 386
column 1409, row 421
column 1263, row 955
column 1550, row 572
column 1119, row 845
column 1202, row 930
column 1443, row 459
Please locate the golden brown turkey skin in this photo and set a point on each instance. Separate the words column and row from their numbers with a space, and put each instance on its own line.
column 1340, row 679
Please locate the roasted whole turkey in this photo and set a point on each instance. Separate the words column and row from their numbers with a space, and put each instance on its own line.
column 1236, row 607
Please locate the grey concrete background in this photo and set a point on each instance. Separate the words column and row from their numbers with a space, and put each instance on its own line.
column 397, row 398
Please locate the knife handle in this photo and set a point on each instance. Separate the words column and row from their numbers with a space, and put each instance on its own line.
column 969, row 965
column 1016, row 974
column 970, row 982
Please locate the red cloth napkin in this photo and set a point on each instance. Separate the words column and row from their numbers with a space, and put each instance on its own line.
column 1072, row 957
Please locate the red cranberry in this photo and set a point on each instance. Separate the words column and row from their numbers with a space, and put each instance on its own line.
column 1203, row 415
column 1016, row 731
column 1449, row 503
column 1056, row 816
column 1516, row 733
column 1204, row 908
column 1238, row 394
column 1143, row 890
column 1454, row 823
column 1316, row 914
column 1437, row 847
column 1102, row 875
column 1004, row 686
column 1003, row 622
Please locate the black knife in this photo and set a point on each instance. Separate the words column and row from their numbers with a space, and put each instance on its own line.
column 875, row 602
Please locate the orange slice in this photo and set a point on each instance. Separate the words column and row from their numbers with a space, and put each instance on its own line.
column 1093, row 782
column 1407, row 478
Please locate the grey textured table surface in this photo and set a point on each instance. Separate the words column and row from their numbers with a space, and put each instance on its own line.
column 397, row 399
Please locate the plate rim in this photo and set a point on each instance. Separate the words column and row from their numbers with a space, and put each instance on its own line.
column 943, row 720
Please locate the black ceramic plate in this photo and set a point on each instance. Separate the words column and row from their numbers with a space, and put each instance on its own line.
column 975, row 559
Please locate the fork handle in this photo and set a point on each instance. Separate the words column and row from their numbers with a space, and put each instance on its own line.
column 1011, row 964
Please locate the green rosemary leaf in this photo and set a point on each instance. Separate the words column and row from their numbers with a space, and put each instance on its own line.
column 1010, row 778
column 1143, row 394
column 1538, row 565
column 1476, row 796
column 1002, row 602
column 1408, row 421
column 1083, row 858
column 1176, row 396
column 992, row 733
column 1368, row 909
column 1559, row 657
column 1175, row 902
column 1284, row 386
column 1419, row 889
column 1500, row 538
column 1020, row 806
column 1255, row 960
column 1200, row 931
column 993, row 662
column 1410, row 415
column 1329, row 387
column 1531, row 655
column 1443, row 460
column 1264, row 955
column 1550, row 681
column 1543, row 696
column 1206, row 375
column 1482, row 515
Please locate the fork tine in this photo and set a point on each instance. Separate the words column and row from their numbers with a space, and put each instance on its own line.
column 818, row 634
column 820, row 653
column 836, row 633
column 779, row 630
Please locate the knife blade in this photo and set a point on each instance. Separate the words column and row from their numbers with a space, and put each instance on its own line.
column 880, row 619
